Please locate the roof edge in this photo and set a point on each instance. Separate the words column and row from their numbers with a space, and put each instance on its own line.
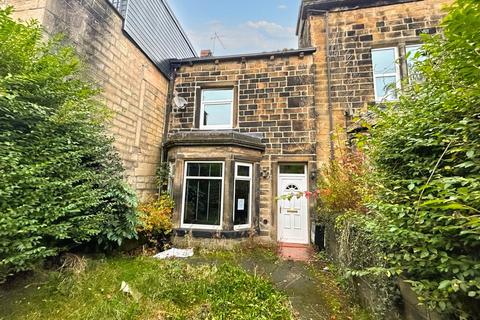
column 247, row 56
column 319, row 7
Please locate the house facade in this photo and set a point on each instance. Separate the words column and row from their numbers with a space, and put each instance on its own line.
column 264, row 123
column 240, row 131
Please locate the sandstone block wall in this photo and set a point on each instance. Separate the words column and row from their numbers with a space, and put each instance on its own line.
column 131, row 84
column 352, row 35
column 274, row 100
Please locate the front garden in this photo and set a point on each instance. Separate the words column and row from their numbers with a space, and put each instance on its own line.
column 241, row 284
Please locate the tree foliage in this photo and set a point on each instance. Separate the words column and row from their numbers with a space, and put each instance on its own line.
column 426, row 154
column 61, row 180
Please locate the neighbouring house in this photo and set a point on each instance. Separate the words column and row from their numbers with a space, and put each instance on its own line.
column 238, row 131
column 126, row 46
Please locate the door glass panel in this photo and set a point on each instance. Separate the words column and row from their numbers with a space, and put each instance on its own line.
column 242, row 201
column 292, row 168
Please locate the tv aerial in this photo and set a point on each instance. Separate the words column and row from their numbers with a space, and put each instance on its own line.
column 216, row 37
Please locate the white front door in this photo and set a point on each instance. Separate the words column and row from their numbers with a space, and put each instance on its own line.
column 293, row 213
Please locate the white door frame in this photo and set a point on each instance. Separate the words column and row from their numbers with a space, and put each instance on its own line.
column 306, row 237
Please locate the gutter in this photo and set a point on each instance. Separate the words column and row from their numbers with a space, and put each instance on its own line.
column 248, row 56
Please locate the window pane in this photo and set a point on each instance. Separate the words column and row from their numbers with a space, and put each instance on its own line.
column 385, row 87
column 292, row 168
column 384, row 61
column 242, row 202
column 216, row 169
column 243, row 171
column 204, row 169
column 193, row 169
column 412, row 57
column 215, row 95
column 203, row 201
column 217, row 114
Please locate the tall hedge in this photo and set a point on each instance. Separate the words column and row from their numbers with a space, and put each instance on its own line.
column 426, row 154
column 61, row 180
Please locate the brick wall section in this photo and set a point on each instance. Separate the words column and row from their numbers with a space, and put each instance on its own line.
column 132, row 86
column 275, row 100
column 353, row 34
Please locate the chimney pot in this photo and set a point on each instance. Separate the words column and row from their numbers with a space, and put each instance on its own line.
column 205, row 53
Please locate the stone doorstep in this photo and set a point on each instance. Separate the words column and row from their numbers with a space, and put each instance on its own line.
column 295, row 251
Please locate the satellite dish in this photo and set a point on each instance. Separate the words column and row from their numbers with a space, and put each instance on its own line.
column 178, row 101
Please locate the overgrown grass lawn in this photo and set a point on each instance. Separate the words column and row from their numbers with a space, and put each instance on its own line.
column 170, row 289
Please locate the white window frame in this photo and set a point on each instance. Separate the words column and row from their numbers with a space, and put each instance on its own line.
column 216, row 102
column 396, row 74
column 409, row 70
column 202, row 226
column 243, row 178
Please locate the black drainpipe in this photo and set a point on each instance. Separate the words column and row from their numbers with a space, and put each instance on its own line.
column 171, row 87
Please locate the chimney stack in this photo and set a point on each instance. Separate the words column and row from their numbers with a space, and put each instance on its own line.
column 205, row 53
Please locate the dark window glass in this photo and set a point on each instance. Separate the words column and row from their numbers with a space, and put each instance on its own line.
column 204, row 170
column 243, row 171
column 242, row 201
column 292, row 168
column 203, row 201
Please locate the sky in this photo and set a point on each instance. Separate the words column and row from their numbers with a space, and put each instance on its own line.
column 244, row 26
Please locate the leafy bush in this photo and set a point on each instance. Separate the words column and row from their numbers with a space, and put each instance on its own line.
column 342, row 186
column 62, row 182
column 156, row 219
column 426, row 155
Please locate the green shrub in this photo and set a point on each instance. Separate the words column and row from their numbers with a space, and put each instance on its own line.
column 156, row 219
column 426, row 155
column 62, row 182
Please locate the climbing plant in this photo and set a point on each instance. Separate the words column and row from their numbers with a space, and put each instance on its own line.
column 61, row 179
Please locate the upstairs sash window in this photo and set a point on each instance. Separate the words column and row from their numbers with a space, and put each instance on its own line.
column 216, row 109
column 386, row 73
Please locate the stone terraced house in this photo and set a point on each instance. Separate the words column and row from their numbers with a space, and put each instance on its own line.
column 238, row 131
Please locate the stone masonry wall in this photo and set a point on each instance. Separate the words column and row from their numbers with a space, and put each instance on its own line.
column 353, row 34
column 275, row 100
column 131, row 84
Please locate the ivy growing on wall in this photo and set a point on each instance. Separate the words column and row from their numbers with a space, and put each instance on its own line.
column 61, row 180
